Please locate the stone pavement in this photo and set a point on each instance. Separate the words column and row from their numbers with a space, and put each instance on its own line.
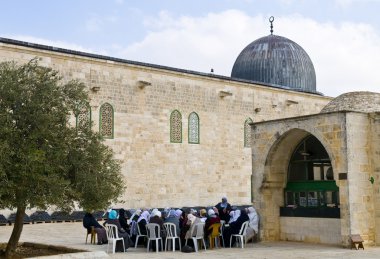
column 73, row 235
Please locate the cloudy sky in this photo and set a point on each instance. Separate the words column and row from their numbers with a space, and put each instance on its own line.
column 342, row 37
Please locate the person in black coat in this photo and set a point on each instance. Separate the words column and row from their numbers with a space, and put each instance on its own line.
column 123, row 221
column 235, row 227
column 224, row 209
column 88, row 222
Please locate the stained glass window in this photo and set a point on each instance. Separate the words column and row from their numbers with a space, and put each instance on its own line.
column 106, row 120
column 176, row 127
column 247, row 133
column 193, row 128
column 83, row 117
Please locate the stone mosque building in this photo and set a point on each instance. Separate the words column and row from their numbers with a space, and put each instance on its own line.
column 265, row 136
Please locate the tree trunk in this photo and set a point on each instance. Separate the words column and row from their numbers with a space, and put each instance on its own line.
column 16, row 232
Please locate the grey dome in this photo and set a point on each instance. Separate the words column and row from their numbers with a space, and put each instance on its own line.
column 360, row 101
column 278, row 61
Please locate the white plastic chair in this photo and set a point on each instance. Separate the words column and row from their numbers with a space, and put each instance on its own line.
column 139, row 235
column 199, row 235
column 154, row 234
column 171, row 234
column 222, row 222
column 242, row 236
column 113, row 237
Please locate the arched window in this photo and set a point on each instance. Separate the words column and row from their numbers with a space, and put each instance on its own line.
column 193, row 128
column 247, row 133
column 106, row 120
column 176, row 127
column 311, row 186
column 83, row 116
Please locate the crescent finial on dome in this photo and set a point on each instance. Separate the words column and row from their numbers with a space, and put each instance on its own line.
column 271, row 19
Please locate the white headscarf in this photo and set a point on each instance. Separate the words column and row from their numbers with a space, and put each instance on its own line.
column 171, row 213
column 191, row 218
column 193, row 211
column 144, row 215
column 235, row 216
column 178, row 213
column 153, row 211
column 253, row 219
column 137, row 212
column 156, row 213
column 211, row 213
column 232, row 213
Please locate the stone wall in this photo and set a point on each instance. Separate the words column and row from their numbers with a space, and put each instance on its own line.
column 375, row 169
column 359, row 167
column 312, row 230
column 159, row 173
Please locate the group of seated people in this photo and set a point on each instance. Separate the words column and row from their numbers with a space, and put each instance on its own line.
column 183, row 219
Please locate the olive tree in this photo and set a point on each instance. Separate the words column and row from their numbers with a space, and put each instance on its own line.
column 44, row 160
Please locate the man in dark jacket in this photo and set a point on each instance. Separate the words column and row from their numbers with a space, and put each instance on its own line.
column 224, row 209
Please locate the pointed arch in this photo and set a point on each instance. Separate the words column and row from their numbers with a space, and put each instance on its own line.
column 247, row 132
column 176, row 127
column 193, row 128
column 106, row 120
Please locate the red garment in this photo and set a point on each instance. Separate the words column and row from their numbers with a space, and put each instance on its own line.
column 209, row 222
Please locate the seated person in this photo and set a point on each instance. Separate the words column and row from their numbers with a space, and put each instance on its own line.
column 211, row 220
column 156, row 218
column 173, row 217
column 112, row 219
column 142, row 221
column 235, row 227
column 89, row 221
column 202, row 215
column 133, row 224
column 191, row 222
column 253, row 226
column 234, row 215
column 123, row 221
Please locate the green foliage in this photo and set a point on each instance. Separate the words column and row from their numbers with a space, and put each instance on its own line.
column 44, row 160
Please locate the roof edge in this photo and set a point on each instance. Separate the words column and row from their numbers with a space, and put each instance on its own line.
column 143, row 64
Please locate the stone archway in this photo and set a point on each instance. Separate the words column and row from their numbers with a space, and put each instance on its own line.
column 270, row 168
column 268, row 190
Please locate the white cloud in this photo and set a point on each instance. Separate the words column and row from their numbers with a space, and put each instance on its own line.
column 347, row 3
column 345, row 55
column 97, row 23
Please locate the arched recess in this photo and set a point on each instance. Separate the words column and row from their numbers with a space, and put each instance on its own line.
column 270, row 177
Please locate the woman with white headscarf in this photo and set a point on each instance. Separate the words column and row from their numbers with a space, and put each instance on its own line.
column 253, row 226
column 211, row 220
column 155, row 217
column 135, row 216
column 142, row 221
column 191, row 222
column 173, row 217
column 234, row 215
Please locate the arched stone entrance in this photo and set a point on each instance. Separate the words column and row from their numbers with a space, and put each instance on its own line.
column 270, row 169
